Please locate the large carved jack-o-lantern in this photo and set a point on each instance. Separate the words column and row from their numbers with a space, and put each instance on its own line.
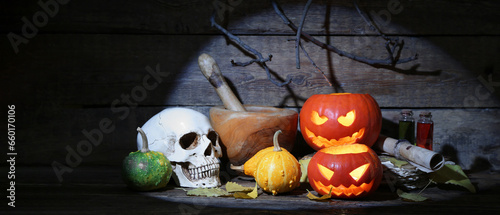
column 340, row 118
column 349, row 171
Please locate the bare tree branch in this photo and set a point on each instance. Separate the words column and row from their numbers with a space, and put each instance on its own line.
column 315, row 66
column 299, row 31
column 392, row 45
column 260, row 60
column 369, row 23
column 387, row 61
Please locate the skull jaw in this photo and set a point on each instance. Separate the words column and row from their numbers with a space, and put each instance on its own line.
column 206, row 176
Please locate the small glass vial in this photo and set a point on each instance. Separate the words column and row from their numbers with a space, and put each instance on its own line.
column 407, row 126
column 425, row 130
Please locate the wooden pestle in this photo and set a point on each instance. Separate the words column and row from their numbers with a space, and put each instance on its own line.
column 245, row 130
column 211, row 71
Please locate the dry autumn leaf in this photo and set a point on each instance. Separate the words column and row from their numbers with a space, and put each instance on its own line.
column 411, row 197
column 232, row 187
column 453, row 174
column 251, row 195
column 316, row 198
column 208, row 192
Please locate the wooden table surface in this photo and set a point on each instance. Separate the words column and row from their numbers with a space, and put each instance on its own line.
column 100, row 190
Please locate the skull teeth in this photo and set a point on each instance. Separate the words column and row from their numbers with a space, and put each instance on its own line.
column 205, row 171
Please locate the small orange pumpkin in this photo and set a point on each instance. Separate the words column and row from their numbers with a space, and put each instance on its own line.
column 349, row 171
column 340, row 118
column 275, row 170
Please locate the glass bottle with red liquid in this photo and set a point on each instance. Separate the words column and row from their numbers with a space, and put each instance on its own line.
column 425, row 130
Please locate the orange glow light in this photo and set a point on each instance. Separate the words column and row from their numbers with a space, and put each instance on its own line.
column 327, row 173
column 321, row 141
column 346, row 149
column 348, row 119
column 318, row 120
column 339, row 190
column 358, row 172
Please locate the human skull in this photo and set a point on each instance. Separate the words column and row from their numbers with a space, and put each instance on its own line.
column 189, row 142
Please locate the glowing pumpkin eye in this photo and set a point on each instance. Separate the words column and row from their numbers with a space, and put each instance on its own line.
column 318, row 120
column 327, row 173
column 358, row 172
column 348, row 119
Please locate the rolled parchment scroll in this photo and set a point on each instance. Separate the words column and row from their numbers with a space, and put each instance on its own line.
column 424, row 159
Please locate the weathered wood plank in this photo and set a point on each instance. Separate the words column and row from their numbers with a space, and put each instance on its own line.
column 458, row 136
column 392, row 17
column 90, row 190
column 405, row 17
column 103, row 69
column 48, row 134
column 88, row 63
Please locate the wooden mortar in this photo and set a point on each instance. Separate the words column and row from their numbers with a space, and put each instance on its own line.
column 246, row 129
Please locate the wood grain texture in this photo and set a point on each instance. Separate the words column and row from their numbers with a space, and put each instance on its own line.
column 125, row 61
column 99, row 69
column 91, row 190
column 45, row 134
column 403, row 17
column 244, row 133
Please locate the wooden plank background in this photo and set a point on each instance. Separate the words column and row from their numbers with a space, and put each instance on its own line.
column 90, row 55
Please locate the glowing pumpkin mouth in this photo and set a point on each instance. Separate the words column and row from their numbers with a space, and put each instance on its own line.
column 321, row 141
column 347, row 191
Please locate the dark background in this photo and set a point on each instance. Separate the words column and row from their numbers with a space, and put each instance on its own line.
column 77, row 62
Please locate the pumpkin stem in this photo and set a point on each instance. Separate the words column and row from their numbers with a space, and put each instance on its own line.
column 237, row 168
column 275, row 141
column 145, row 144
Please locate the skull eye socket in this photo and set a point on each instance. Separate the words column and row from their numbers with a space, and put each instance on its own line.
column 189, row 140
column 213, row 137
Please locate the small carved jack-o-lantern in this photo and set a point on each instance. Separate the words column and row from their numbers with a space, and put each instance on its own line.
column 349, row 171
column 340, row 118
